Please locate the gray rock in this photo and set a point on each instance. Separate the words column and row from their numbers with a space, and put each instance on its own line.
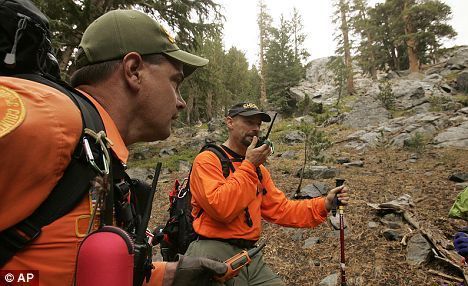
column 295, row 136
column 392, row 221
column 334, row 220
column 288, row 154
column 366, row 111
column 462, row 81
column 459, row 60
column 319, row 172
column 143, row 174
column 313, row 190
column 453, row 137
column 184, row 166
column 310, row 242
column 459, row 177
column 342, row 160
column 305, row 119
column 330, row 280
column 164, row 152
column 372, row 224
column 391, row 234
column 447, row 88
column 357, row 163
column 418, row 250
column 463, row 110
column 433, row 76
column 461, row 186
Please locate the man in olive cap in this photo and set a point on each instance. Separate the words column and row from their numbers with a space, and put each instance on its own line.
column 131, row 70
column 228, row 209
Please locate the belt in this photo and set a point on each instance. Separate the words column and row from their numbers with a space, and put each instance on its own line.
column 239, row 242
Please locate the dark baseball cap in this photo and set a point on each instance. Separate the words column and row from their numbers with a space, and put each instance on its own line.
column 248, row 109
column 119, row 32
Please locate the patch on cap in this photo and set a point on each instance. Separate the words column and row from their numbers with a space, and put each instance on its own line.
column 248, row 109
column 169, row 37
column 12, row 110
column 250, row 106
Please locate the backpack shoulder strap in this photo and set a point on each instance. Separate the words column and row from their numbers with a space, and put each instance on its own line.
column 69, row 190
column 226, row 163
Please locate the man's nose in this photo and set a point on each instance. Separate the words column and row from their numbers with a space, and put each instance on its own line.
column 256, row 128
column 181, row 104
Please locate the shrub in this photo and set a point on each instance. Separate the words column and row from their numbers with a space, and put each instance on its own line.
column 386, row 96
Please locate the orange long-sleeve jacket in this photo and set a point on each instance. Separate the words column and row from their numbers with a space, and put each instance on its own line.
column 39, row 129
column 219, row 203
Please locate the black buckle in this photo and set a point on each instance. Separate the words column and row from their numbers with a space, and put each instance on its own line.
column 18, row 236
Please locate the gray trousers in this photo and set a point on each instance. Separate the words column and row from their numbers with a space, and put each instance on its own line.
column 256, row 273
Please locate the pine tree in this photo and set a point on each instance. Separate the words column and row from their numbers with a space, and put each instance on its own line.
column 300, row 53
column 410, row 39
column 283, row 71
column 364, row 31
column 344, row 44
column 408, row 32
column 69, row 19
column 264, row 25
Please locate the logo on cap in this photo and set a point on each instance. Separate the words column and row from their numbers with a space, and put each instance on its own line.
column 169, row 37
column 249, row 106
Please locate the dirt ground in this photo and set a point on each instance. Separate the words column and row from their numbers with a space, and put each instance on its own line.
column 370, row 258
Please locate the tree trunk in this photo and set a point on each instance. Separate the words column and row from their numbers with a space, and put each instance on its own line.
column 65, row 59
column 396, row 65
column 262, row 43
column 189, row 108
column 209, row 106
column 263, row 96
column 410, row 41
column 347, row 49
column 372, row 69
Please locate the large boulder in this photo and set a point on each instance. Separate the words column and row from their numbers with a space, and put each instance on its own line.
column 462, row 81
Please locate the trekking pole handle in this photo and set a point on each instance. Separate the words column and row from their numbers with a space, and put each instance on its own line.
column 235, row 263
column 336, row 203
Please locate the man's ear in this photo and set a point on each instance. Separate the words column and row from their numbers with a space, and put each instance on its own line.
column 229, row 122
column 132, row 65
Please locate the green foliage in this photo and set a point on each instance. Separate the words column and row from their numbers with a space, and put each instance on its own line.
column 386, row 96
column 283, row 64
column 316, row 142
column 171, row 162
column 341, row 19
column 440, row 103
column 227, row 80
column 383, row 141
column 340, row 72
column 69, row 19
column 384, row 26
column 416, row 143
column 463, row 99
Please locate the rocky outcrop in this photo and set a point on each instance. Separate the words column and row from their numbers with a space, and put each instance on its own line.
column 418, row 95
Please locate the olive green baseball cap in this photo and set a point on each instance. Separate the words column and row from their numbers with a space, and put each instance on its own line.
column 119, row 32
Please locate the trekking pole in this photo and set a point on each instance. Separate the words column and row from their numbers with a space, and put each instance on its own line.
column 142, row 257
column 340, row 182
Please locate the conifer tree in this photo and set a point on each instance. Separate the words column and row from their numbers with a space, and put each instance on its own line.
column 365, row 33
column 264, row 25
column 344, row 44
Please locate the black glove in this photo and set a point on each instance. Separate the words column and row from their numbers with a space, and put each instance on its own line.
column 197, row 271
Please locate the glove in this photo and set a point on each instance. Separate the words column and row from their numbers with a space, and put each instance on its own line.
column 197, row 270
column 460, row 241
